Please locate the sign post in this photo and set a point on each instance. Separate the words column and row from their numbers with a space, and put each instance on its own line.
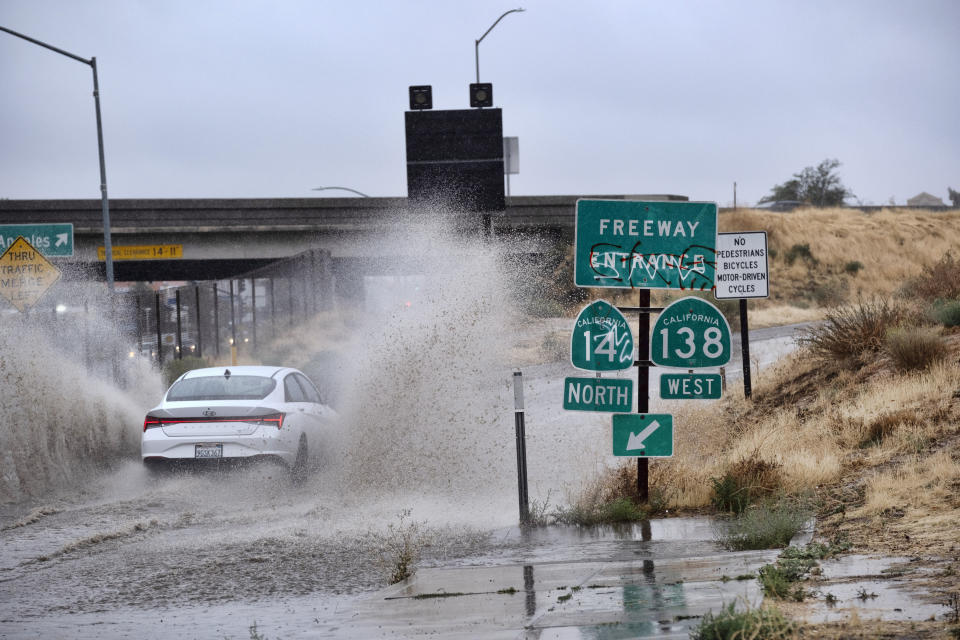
column 645, row 245
column 25, row 275
column 742, row 272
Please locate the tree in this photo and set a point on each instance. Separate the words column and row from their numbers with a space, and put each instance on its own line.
column 818, row 186
column 954, row 197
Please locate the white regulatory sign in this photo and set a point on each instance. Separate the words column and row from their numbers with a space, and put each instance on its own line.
column 742, row 265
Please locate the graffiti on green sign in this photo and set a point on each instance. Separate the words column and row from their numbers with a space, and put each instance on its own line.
column 601, row 339
column 648, row 245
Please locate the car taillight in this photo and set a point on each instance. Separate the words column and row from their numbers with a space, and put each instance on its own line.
column 275, row 419
column 150, row 421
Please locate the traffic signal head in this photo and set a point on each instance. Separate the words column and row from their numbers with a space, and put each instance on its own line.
column 481, row 94
column 421, row 97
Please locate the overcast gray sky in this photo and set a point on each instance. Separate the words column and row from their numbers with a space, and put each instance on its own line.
column 268, row 99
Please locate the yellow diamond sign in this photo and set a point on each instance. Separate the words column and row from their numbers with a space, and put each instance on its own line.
column 25, row 275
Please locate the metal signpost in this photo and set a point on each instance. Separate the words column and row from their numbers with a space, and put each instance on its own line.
column 742, row 272
column 52, row 240
column 645, row 245
column 25, row 275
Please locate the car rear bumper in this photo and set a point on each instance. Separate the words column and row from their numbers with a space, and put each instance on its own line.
column 281, row 444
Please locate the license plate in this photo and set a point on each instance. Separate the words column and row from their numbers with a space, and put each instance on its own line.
column 208, row 451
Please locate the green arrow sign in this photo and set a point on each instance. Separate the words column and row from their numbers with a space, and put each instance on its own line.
column 601, row 339
column 597, row 394
column 643, row 435
column 690, row 386
column 645, row 245
column 690, row 334
column 51, row 240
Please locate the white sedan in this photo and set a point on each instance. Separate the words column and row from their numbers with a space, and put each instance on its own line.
column 234, row 414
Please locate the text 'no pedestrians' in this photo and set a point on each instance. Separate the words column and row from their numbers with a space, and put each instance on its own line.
column 640, row 435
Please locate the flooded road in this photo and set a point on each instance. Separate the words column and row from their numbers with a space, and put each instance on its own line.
column 125, row 554
column 420, row 473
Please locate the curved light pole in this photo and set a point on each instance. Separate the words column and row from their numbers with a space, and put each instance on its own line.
column 107, row 244
column 476, row 46
column 363, row 195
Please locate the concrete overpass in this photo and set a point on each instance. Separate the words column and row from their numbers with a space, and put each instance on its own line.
column 225, row 237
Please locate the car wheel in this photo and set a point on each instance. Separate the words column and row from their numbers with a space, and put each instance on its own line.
column 298, row 472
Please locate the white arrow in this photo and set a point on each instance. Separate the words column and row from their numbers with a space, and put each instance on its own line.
column 635, row 441
column 61, row 239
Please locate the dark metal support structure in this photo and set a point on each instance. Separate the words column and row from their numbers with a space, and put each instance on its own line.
column 179, row 329
column 156, row 312
column 745, row 346
column 643, row 386
column 199, row 325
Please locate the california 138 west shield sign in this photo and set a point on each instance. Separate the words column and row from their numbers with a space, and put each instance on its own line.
column 690, row 333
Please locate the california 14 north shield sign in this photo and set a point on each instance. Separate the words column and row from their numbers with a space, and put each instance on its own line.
column 601, row 339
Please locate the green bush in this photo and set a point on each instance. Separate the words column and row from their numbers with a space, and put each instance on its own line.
column 946, row 312
column 744, row 483
column 173, row 369
column 616, row 511
column 853, row 267
column 729, row 494
column 851, row 331
column 765, row 526
column 763, row 623
column 801, row 251
column 914, row 348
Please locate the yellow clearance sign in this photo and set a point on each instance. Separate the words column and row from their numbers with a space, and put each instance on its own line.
column 25, row 275
column 145, row 252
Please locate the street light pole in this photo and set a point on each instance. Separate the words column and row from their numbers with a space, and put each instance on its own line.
column 105, row 204
column 342, row 189
column 476, row 46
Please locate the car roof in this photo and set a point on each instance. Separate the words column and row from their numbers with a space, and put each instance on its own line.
column 241, row 370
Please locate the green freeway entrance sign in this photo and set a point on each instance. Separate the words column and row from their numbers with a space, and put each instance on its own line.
column 51, row 240
column 645, row 245
column 641, row 435
column 597, row 394
column 601, row 339
column 690, row 386
column 690, row 334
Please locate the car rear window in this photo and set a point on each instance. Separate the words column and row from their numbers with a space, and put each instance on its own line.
column 221, row 388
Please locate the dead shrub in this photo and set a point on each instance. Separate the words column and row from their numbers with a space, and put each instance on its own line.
column 938, row 281
column 914, row 348
column 852, row 331
column 886, row 424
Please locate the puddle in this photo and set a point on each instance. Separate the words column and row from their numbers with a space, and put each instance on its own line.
column 853, row 582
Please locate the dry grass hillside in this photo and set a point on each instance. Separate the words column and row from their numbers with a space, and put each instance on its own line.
column 820, row 258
